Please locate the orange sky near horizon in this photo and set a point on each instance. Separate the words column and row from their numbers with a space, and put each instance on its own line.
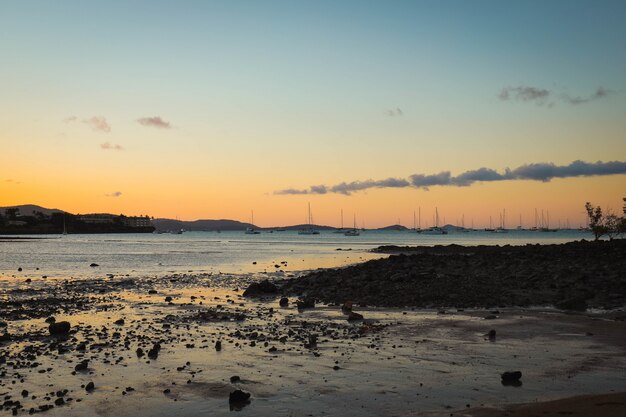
column 206, row 111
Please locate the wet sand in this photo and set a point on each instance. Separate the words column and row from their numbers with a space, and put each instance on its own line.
column 395, row 362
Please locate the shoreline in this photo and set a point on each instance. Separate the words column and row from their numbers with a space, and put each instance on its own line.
column 570, row 276
column 312, row 361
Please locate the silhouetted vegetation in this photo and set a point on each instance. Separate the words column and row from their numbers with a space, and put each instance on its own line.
column 605, row 223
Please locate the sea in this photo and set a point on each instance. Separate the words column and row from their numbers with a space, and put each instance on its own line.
column 284, row 252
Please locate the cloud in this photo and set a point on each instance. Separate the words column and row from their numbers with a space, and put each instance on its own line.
column 12, row 181
column 525, row 93
column 114, row 194
column 70, row 119
column 600, row 93
column 394, row 112
column 541, row 96
column 543, row 171
column 155, row 121
column 98, row 123
column 111, row 147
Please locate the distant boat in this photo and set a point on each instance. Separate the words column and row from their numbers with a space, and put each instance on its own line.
column 251, row 230
column 309, row 230
column 354, row 231
column 340, row 230
column 435, row 230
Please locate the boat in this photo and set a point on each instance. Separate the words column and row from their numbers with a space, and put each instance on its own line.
column 251, row 230
column 340, row 230
column 309, row 230
column 435, row 230
column 501, row 228
column 354, row 231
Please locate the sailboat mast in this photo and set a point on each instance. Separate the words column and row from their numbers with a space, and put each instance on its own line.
column 419, row 224
column 342, row 218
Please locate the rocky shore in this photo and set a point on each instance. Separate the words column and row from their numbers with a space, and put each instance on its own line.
column 571, row 276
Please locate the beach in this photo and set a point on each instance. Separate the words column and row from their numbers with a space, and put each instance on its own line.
column 182, row 343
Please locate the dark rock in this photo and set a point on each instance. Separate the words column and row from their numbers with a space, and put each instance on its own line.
column 284, row 302
column 511, row 376
column 90, row 387
column 355, row 316
column 347, row 307
column 577, row 303
column 305, row 302
column 93, row 265
column 152, row 292
column 50, row 319
column 238, row 397
column 491, row 335
column 218, row 345
column 60, row 328
column 168, row 299
column 82, row 366
column 260, row 288
column 235, row 378
column 5, row 337
column 119, row 322
column 139, row 352
column 59, row 401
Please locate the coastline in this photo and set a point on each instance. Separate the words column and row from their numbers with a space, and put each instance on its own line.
column 312, row 361
column 571, row 276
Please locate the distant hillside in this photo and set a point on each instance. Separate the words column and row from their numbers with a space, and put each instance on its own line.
column 199, row 225
column 398, row 227
column 30, row 209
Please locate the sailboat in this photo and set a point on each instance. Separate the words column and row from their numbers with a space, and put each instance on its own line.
column 340, row 230
column 252, row 230
column 309, row 230
column 501, row 228
column 435, row 230
column 354, row 231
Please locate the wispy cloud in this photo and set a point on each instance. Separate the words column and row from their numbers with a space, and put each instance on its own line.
column 155, row 121
column 98, row 123
column 544, row 171
column 70, row 119
column 394, row 112
column 597, row 95
column 107, row 146
column 12, row 181
column 525, row 93
column 114, row 194
column 541, row 96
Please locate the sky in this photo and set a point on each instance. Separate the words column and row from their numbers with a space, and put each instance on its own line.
column 215, row 109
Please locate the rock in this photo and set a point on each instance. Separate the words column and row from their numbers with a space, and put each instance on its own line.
column 218, row 345
column 119, row 322
column 511, row 376
column 154, row 352
column 5, row 337
column 239, row 398
column 24, row 393
column 139, row 352
column 347, row 307
column 59, row 401
column 284, row 302
column 152, row 292
column 260, row 288
column 577, row 303
column 355, row 316
column 491, row 335
column 235, row 378
column 90, row 387
column 93, row 265
column 168, row 299
column 82, row 366
column 3, row 324
column 51, row 319
column 305, row 302
column 19, row 269
column 166, row 391
column 60, row 328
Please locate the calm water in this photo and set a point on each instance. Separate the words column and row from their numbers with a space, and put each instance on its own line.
column 228, row 252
